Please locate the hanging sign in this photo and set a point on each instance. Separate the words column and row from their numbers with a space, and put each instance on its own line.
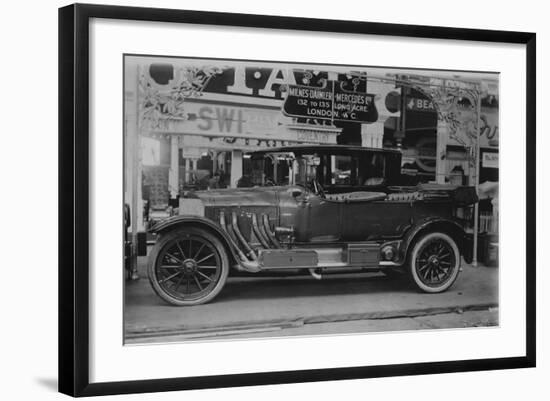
column 489, row 160
column 330, row 102
column 418, row 104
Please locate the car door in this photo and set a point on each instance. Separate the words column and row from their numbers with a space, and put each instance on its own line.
column 364, row 220
column 312, row 218
column 353, row 220
column 324, row 219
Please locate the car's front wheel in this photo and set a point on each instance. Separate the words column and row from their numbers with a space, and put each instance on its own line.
column 188, row 266
column 434, row 262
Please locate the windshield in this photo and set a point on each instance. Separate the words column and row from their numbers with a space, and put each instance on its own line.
column 342, row 170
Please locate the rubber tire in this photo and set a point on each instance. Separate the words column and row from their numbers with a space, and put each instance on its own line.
column 413, row 254
column 169, row 236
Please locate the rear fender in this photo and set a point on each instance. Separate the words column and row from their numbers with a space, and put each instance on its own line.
column 176, row 222
column 449, row 227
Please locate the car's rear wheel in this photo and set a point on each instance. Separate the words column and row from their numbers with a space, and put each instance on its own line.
column 434, row 262
column 188, row 266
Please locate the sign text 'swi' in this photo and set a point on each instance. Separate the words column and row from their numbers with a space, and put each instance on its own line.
column 330, row 102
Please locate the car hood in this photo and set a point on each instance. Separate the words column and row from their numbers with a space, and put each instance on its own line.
column 258, row 196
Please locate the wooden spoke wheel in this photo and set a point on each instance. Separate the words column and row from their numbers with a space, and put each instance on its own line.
column 188, row 266
column 434, row 262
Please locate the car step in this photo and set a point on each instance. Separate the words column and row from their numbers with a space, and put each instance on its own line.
column 318, row 258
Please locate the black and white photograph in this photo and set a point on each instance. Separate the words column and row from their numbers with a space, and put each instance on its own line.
column 267, row 199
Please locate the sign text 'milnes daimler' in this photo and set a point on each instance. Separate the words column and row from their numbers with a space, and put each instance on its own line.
column 310, row 93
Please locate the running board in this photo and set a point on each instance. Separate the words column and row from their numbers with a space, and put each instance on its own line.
column 354, row 255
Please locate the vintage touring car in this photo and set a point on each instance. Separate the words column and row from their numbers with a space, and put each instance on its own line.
column 314, row 209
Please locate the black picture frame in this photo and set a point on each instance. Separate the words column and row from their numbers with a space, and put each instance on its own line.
column 74, row 198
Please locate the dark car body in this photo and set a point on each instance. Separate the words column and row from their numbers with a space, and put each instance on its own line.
column 325, row 209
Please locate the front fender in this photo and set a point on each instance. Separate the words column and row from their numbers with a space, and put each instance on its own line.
column 174, row 222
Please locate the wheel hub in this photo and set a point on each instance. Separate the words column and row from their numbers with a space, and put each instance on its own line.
column 434, row 260
column 189, row 266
